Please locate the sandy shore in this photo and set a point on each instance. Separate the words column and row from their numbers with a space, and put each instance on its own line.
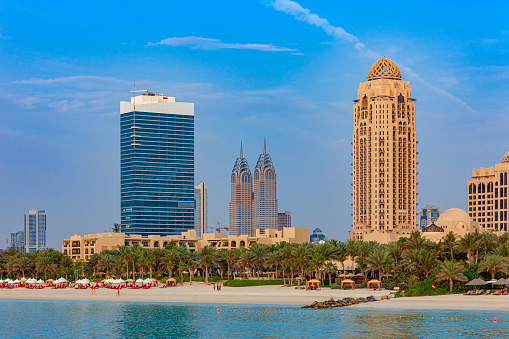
column 275, row 295
column 442, row 302
column 197, row 293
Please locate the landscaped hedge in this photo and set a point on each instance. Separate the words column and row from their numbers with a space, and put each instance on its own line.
column 244, row 283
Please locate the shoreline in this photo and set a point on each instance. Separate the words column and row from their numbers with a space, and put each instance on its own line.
column 199, row 293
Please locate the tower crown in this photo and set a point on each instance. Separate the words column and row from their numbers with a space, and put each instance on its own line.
column 506, row 158
column 241, row 164
column 384, row 69
column 264, row 161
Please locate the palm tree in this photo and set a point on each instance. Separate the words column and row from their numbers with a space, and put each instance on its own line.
column 275, row 259
column 449, row 242
column 330, row 268
column 93, row 263
column 260, row 252
column 488, row 241
column 23, row 261
column 502, row 250
column 469, row 244
column 208, row 256
column 106, row 262
column 302, row 256
column 229, row 256
column 416, row 241
column 191, row 266
column 452, row 271
column 44, row 263
column 378, row 260
column 116, row 227
column 493, row 264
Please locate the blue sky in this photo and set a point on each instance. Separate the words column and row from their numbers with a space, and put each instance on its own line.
column 287, row 70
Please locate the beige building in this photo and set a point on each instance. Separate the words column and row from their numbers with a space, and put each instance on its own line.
column 241, row 203
column 82, row 247
column 487, row 196
column 453, row 220
column 265, row 203
column 384, row 156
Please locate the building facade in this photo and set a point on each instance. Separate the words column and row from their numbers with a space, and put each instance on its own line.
column 317, row 237
column 82, row 247
column 17, row 241
column 200, row 211
column 384, row 156
column 284, row 219
column 265, row 203
column 241, row 200
column 429, row 214
column 156, row 165
column 487, row 196
column 35, row 231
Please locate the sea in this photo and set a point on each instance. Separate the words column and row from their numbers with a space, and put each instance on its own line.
column 83, row 319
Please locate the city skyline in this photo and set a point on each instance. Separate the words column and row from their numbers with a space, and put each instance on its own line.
column 292, row 79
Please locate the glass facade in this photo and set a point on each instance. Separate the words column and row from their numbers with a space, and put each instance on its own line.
column 35, row 230
column 157, row 168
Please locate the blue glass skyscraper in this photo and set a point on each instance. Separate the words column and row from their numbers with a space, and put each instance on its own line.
column 156, row 165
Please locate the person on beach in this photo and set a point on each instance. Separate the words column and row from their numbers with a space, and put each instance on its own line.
column 118, row 293
column 214, row 287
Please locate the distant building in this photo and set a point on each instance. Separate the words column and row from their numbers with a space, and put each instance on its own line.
column 17, row 241
column 35, row 231
column 156, row 165
column 82, row 247
column 317, row 236
column 487, row 196
column 284, row 220
column 429, row 214
column 265, row 203
column 241, row 203
column 200, row 209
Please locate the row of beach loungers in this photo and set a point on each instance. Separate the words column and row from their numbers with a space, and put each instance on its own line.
column 487, row 292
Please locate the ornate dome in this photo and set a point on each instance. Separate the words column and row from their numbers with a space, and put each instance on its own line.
column 384, row 69
column 454, row 215
column 506, row 158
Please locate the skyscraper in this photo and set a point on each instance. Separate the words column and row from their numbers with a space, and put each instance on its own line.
column 35, row 230
column 17, row 241
column 265, row 204
column 429, row 214
column 200, row 210
column 241, row 203
column 284, row 219
column 156, row 165
column 384, row 156
column 487, row 196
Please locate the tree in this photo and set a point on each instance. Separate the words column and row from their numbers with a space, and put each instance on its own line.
column 23, row 261
column 492, row 264
column 452, row 271
column 275, row 259
column 449, row 242
column 229, row 256
column 302, row 255
column 44, row 263
column 260, row 252
column 207, row 259
column 116, row 227
column 106, row 262
column 469, row 244
column 191, row 266
column 329, row 268
column 378, row 260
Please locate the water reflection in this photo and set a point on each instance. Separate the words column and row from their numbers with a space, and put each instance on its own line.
column 63, row 319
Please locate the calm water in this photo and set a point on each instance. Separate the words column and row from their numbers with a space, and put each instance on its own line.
column 74, row 319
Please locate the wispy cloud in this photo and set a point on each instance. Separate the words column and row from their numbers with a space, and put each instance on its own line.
column 339, row 34
column 83, row 81
column 195, row 42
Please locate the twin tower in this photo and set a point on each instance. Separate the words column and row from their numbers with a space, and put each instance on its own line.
column 257, row 208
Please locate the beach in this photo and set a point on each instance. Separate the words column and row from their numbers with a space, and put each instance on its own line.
column 256, row 295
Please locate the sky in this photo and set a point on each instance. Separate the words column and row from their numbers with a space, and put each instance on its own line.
column 282, row 69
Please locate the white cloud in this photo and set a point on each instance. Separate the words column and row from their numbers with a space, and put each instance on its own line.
column 195, row 42
column 83, row 81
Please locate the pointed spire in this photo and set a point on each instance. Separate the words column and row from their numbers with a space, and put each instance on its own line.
column 241, row 151
column 264, row 145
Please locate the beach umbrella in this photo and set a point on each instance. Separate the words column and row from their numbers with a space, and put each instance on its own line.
column 476, row 282
column 147, row 281
column 139, row 280
column 40, row 281
column 502, row 282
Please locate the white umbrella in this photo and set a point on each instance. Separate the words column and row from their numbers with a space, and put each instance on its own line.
column 16, row 281
column 40, row 281
column 139, row 280
column 147, row 281
column 1, row 281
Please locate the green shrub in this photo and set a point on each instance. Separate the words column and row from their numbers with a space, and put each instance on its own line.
column 244, row 283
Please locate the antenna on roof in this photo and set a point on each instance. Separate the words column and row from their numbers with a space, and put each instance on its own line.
column 241, row 151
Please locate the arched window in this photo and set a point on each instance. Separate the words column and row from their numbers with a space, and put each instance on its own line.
column 365, row 102
column 269, row 174
column 233, row 178
column 242, row 243
column 233, row 244
column 505, row 178
column 471, row 189
column 245, row 177
column 490, row 187
column 501, row 178
column 481, row 188
column 256, row 175
column 156, row 244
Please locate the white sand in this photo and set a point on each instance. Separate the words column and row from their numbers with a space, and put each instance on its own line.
column 197, row 293
column 276, row 295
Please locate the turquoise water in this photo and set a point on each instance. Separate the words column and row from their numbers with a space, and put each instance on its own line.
column 75, row 319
